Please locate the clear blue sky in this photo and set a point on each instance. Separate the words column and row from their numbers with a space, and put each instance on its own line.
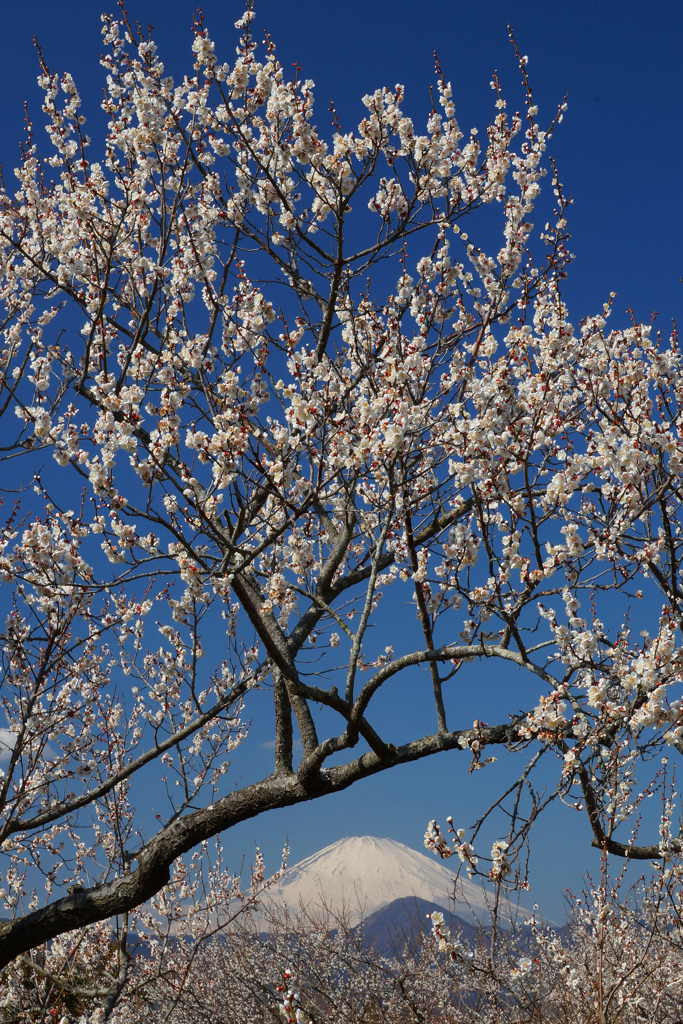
column 619, row 153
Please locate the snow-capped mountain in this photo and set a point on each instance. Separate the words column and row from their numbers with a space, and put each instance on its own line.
column 362, row 874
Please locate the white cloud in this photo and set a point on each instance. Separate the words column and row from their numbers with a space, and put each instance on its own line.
column 270, row 745
column 7, row 741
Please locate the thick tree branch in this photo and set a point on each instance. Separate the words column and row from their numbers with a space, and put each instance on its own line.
column 155, row 858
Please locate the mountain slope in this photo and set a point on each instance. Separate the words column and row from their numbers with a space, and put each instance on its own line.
column 402, row 922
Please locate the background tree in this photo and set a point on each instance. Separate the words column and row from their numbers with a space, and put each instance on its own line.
column 260, row 376
column 617, row 959
column 324, row 963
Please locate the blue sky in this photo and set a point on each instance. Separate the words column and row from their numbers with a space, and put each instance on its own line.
column 619, row 153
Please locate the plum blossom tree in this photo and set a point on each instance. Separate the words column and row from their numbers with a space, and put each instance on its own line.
column 259, row 387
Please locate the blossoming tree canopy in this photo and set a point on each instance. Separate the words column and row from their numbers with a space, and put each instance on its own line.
column 254, row 375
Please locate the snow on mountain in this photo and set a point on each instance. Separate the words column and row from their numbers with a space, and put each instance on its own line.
column 361, row 874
